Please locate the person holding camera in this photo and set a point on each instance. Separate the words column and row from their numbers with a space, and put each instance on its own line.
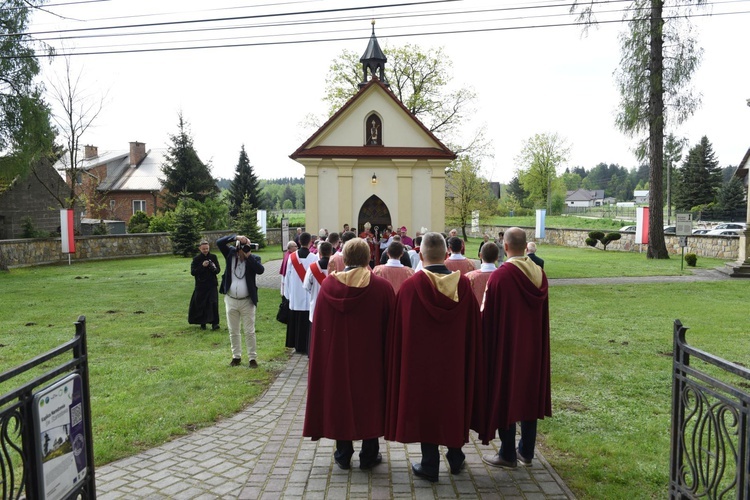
column 204, row 304
column 240, row 293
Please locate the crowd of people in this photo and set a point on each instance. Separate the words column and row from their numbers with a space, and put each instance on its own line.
column 424, row 355
column 406, row 339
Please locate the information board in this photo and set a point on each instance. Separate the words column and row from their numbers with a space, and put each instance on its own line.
column 60, row 440
column 684, row 225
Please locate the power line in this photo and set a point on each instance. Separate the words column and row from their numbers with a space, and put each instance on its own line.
column 342, row 39
column 88, row 50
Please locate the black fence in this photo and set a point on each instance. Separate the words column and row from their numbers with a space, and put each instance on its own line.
column 710, row 409
column 39, row 457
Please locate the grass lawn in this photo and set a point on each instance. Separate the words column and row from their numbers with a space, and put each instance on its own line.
column 570, row 262
column 155, row 377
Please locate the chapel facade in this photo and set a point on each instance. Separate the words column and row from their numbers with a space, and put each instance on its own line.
column 374, row 161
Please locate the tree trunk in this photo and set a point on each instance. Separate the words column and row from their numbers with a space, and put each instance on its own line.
column 657, row 248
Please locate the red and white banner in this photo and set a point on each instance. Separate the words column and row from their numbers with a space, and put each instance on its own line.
column 641, row 225
column 67, row 227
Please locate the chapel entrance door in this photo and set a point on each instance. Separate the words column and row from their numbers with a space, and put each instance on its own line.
column 374, row 211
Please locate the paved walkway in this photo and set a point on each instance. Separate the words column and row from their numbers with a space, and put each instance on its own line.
column 260, row 453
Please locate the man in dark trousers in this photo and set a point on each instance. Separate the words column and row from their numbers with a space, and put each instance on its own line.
column 240, row 293
column 515, row 324
column 346, row 377
column 204, row 304
column 531, row 254
column 435, row 375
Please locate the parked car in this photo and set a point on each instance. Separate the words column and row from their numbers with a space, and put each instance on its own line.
column 627, row 229
column 724, row 232
column 700, row 231
column 670, row 229
column 731, row 225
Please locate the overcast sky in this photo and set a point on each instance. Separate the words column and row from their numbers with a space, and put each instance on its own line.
column 530, row 74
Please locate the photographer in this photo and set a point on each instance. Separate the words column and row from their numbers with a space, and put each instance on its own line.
column 241, row 293
column 204, row 304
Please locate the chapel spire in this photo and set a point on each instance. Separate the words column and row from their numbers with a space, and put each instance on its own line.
column 373, row 60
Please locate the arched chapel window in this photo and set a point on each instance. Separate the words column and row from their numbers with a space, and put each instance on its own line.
column 373, row 131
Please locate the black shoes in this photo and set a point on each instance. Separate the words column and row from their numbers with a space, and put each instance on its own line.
column 420, row 472
column 203, row 326
column 343, row 465
column 213, row 327
column 456, row 469
column 371, row 463
column 253, row 363
column 236, row 362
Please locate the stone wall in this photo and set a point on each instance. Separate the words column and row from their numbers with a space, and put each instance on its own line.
column 719, row 247
column 30, row 252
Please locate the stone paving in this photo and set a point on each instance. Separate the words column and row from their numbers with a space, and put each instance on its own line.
column 260, row 453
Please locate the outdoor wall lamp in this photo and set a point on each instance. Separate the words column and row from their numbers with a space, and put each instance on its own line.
column 374, row 179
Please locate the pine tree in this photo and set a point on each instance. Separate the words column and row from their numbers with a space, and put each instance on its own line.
column 185, row 174
column 731, row 198
column 244, row 184
column 246, row 223
column 187, row 231
column 699, row 179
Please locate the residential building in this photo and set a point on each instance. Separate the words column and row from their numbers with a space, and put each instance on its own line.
column 116, row 184
column 585, row 198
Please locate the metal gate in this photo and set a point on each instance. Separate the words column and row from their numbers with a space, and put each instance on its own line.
column 21, row 452
column 710, row 408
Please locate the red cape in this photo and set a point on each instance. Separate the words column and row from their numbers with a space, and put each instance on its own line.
column 435, row 365
column 515, row 324
column 346, row 378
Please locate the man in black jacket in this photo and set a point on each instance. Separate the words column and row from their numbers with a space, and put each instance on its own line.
column 531, row 254
column 241, row 293
column 204, row 304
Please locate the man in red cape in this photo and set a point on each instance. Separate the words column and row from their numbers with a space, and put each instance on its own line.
column 515, row 324
column 346, row 378
column 435, row 364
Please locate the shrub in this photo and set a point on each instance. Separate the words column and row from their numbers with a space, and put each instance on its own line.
column 599, row 236
column 139, row 222
column 29, row 229
column 163, row 223
column 100, row 229
column 691, row 259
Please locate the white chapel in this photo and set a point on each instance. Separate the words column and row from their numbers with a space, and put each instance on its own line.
column 373, row 161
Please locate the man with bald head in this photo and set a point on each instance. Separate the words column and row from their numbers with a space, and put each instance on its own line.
column 515, row 327
column 435, row 377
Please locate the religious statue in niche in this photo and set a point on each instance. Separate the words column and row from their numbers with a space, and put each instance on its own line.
column 374, row 135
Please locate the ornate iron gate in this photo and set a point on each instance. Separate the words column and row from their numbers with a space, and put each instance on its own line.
column 710, row 409
column 19, row 453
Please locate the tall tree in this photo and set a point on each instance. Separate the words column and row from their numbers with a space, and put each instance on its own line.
column 672, row 156
column 653, row 88
column 731, row 199
column 699, row 179
column 26, row 135
column 466, row 191
column 77, row 111
column 419, row 77
column 244, row 185
column 185, row 173
column 538, row 162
